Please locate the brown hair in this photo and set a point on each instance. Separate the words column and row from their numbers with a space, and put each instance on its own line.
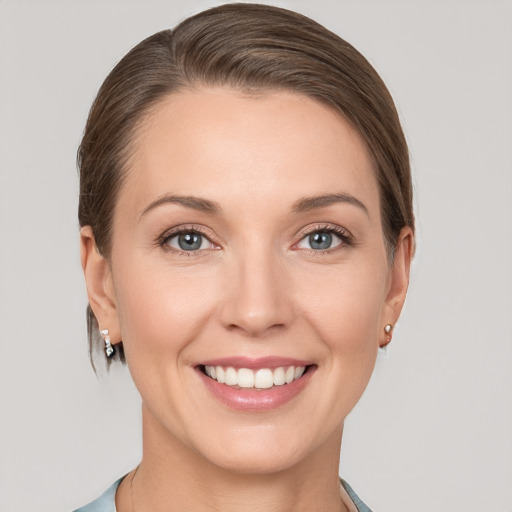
column 251, row 48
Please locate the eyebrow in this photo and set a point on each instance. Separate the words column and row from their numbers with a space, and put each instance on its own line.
column 195, row 203
column 211, row 207
column 316, row 202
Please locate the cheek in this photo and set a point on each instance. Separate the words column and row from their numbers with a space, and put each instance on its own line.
column 341, row 309
column 160, row 309
column 344, row 305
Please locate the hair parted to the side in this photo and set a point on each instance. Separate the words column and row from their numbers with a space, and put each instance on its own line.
column 251, row 48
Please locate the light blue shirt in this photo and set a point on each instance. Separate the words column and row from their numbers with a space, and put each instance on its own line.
column 107, row 501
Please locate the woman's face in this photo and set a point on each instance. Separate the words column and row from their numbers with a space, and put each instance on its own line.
column 247, row 238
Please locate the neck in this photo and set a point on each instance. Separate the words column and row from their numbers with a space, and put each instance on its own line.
column 172, row 476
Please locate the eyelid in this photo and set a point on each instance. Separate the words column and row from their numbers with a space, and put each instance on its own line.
column 345, row 236
column 185, row 228
column 324, row 226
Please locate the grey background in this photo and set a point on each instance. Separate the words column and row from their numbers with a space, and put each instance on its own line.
column 434, row 430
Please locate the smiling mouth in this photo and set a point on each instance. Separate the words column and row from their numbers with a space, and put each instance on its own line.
column 262, row 378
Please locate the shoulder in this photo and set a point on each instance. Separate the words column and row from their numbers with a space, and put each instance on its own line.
column 360, row 506
column 105, row 503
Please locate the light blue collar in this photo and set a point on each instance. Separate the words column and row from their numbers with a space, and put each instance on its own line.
column 107, row 501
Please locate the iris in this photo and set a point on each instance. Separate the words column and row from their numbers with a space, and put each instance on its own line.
column 320, row 240
column 190, row 241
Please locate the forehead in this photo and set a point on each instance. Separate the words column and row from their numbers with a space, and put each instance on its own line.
column 223, row 145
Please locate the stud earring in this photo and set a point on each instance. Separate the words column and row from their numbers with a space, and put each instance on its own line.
column 388, row 329
column 110, row 350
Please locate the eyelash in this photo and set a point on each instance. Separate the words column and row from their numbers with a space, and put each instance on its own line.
column 345, row 237
column 163, row 240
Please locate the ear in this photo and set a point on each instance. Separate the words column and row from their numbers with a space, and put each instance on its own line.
column 100, row 287
column 399, row 282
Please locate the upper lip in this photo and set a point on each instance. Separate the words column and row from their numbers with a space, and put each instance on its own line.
column 255, row 363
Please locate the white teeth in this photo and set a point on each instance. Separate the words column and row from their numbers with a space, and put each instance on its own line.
column 264, row 378
column 279, row 379
column 245, row 378
column 231, row 376
column 299, row 370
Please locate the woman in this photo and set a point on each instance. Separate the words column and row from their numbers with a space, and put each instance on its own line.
column 246, row 232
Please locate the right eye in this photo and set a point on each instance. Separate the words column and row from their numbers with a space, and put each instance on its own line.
column 188, row 240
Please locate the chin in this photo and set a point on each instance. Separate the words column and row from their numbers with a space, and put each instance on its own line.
column 256, row 461
column 264, row 450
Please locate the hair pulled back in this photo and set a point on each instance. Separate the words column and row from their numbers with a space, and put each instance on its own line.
column 251, row 48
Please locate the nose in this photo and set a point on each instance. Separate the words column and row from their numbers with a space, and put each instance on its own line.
column 257, row 295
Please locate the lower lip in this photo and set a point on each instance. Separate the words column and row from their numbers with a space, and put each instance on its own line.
column 256, row 399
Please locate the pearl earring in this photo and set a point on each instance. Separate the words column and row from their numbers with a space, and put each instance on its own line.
column 110, row 350
column 388, row 329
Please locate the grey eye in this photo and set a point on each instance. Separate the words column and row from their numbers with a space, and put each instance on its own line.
column 188, row 241
column 320, row 241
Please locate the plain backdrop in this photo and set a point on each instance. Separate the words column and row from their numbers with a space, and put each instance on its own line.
column 433, row 433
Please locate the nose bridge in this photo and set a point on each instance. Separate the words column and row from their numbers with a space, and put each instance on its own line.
column 257, row 298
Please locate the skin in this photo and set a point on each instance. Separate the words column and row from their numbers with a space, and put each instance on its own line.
column 255, row 288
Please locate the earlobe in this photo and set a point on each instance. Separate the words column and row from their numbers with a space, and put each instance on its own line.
column 100, row 287
column 399, row 280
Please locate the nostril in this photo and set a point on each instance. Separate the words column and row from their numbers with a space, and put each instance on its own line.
column 255, row 327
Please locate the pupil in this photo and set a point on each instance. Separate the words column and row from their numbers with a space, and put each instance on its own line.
column 320, row 240
column 189, row 241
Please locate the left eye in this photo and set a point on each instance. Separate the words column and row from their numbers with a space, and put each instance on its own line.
column 320, row 240
column 188, row 241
